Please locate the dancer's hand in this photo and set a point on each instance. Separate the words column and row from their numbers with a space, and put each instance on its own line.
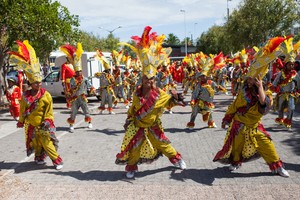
column 127, row 122
column 20, row 124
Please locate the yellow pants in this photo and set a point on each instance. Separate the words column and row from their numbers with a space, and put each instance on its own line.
column 247, row 143
column 167, row 149
column 42, row 140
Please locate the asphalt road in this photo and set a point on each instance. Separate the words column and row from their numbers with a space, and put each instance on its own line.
column 90, row 172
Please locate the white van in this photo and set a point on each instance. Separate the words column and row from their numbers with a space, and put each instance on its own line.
column 90, row 66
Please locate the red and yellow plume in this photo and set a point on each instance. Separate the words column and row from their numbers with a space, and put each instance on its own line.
column 69, row 50
column 105, row 63
column 26, row 60
column 272, row 44
column 149, row 50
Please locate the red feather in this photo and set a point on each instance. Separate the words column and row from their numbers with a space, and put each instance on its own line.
column 274, row 43
column 218, row 58
column 136, row 39
column 24, row 50
column 17, row 54
column 145, row 37
column 71, row 49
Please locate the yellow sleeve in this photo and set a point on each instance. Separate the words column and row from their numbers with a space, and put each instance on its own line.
column 23, row 106
column 164, row 100
column 238, row 102
column 131, row 109
column 48, row 114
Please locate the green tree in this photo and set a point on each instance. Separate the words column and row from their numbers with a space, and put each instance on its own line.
column 252, row 24
column 91, row 42
column 212, row 41
column 45, row 24
column 172, row 39
column 258, row 20
column 111, row 43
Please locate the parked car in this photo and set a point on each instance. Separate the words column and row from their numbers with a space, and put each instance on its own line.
column 53, row 85
column 18, row 74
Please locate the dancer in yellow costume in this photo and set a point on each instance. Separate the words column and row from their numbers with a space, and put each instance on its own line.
column 144, row 140
column 246, row 136
column 36, row 111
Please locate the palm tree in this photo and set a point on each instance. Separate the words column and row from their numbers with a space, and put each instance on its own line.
column 189, row 42
column 172, row 39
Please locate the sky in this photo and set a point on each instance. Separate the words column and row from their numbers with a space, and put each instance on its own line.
column 183, row 18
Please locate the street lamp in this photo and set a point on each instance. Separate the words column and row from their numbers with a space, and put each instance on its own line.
column 185, row 42
column 195, row 32
column 228, row 10
column 110, row 31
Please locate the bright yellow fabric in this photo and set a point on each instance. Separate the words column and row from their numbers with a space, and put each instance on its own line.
column 251, row 117
column 156, row 112
column 42, row 140
column 43, row 111
column 150, row 143
column 149, row 146
column 249, row 141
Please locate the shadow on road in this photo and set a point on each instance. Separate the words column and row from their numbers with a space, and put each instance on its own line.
column 201, row 176
column 24, row 166
column 294, row 136
column 292, row 167
column 107, row 131
column 92, row 175
column 184, row 130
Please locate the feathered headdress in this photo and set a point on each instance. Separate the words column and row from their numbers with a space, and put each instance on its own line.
column 264, row 56
column 207, row 67
column 187, row 61
column 244, row 56
column 117, row 57
column 73, row 54
column 100, row 56
column 136, row 64
column 288, row 50
column 126, row 59
column 219, row 61
column 26, row 60
column 149, row 50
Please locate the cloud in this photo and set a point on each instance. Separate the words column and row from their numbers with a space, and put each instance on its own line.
column 134, row 15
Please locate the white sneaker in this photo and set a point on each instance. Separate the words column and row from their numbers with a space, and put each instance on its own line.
column 180, row 164
column 170, row 112
column 282, row 172
column 111, row 113
column 213, row 125
column 226, row 93
column 127, row 107
column 58, row 167
column 40, row 162
column 90, row 125
column 234, row 167
column 71, row 130
column 130, row 174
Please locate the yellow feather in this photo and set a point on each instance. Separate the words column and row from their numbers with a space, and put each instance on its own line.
column 79, row 50
column 297, row 46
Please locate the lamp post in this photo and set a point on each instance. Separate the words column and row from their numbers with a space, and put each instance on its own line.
column 185, row 42
column 195, row 32
column 110, row 31
column 228, row 10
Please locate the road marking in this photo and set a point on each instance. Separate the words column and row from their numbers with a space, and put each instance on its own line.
column 9, row 128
